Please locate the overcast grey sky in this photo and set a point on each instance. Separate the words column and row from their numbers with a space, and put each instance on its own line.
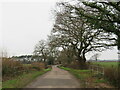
column 24, row 22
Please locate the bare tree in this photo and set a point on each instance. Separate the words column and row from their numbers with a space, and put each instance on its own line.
column 71, row 30
column 100, row 15
column 41, row 50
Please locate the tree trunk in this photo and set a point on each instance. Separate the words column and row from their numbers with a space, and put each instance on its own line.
column 82, row 62
column 84, row 58
column 118, row 44
column 118, row 41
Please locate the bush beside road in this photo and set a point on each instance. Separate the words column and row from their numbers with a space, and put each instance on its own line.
column 23, row 80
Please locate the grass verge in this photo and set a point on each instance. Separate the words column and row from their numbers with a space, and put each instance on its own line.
column 88, row 79
column 22, row 80
column 82, row 75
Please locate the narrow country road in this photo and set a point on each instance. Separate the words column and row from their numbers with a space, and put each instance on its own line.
column 56, row 78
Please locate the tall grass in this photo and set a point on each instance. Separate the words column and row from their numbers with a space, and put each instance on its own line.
column 22, row 80
column 12, row 68
column 38, row 65
column 112, row 75
column 17, row 75
column 111, row 72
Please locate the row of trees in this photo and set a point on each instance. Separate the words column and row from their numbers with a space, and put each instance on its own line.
column 45, row 52
column 80, row 28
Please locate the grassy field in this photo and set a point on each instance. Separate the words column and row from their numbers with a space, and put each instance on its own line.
column 107, row 64
column 88, row 79
column 23, row 80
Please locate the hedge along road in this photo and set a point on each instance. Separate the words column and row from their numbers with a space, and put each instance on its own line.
column 56, row 78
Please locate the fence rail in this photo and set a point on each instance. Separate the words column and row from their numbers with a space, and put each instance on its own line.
column 97, row 69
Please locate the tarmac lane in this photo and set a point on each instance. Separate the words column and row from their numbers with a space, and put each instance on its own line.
column 56, row 78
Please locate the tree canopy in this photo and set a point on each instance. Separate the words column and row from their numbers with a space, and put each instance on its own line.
column 100, row 15
column 71, row 30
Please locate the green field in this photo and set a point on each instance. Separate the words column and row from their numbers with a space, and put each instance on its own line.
column 106, row 64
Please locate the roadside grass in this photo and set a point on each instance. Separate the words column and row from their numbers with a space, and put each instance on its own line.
column 100, row 81
column 22, row 80
column 0, row 85
column 88, row 79
column 82, row 75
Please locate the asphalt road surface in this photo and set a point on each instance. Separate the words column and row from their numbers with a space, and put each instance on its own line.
column 56, row 78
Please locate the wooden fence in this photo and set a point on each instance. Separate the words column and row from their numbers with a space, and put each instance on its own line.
column 97, row 69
